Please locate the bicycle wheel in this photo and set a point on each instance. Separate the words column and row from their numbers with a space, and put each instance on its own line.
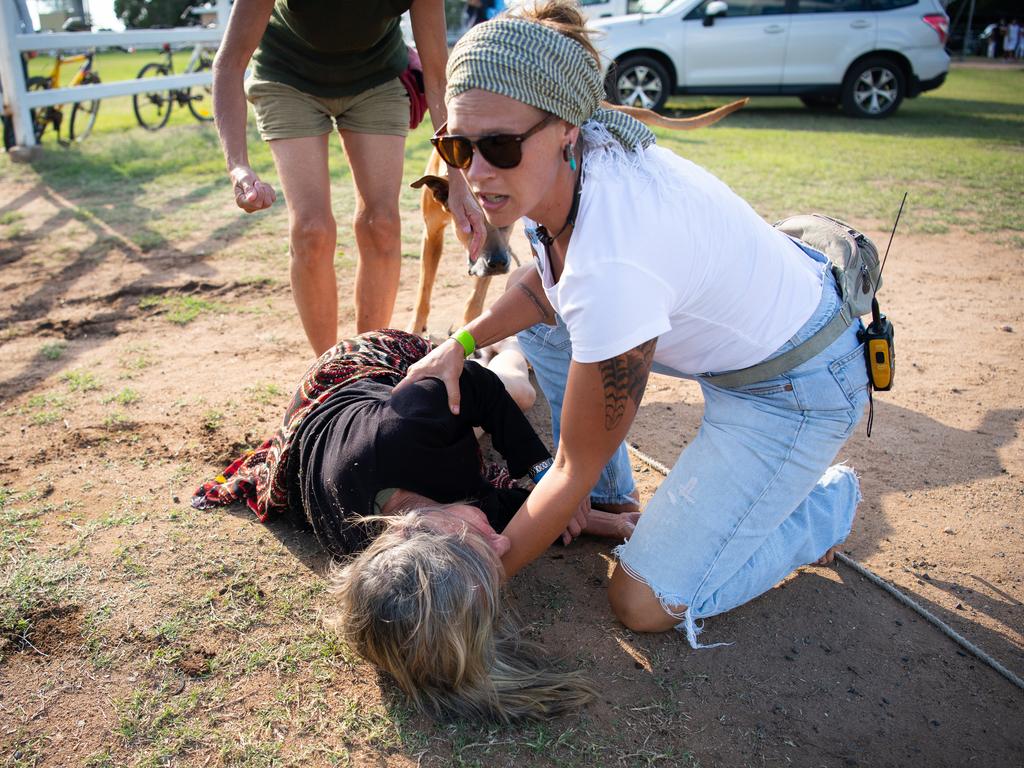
column 83, row 113
column 153, row 110
column 43, row 115
column 200, row 100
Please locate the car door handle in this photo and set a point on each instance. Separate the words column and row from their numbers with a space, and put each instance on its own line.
column 774, row 29
column 860, row 24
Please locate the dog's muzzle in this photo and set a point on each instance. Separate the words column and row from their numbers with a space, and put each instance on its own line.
column 490, row 263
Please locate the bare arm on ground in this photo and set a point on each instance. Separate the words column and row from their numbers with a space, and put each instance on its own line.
column 601, row 401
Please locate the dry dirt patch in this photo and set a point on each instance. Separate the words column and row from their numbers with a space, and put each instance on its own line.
column 152, row 634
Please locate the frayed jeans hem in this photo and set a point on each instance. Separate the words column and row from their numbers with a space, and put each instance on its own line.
column 687, row 621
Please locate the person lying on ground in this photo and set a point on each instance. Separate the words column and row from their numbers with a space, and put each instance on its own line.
column 396, row 483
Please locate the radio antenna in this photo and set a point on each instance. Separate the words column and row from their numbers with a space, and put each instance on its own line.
column 892, row 235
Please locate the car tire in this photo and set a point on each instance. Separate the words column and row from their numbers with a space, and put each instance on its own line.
column 820, row 103
column 638, row 81
column 874, row 88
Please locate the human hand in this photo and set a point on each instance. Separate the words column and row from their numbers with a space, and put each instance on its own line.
column 469, row 218
column 609, row 525
column 578, row 522
column 445, row 363
column 251, row 194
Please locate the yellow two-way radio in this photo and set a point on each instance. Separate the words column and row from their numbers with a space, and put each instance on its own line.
column 877, row 337
column 878, row 348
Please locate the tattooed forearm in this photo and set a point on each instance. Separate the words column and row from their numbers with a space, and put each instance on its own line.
column 625, row 377
column 546, row 316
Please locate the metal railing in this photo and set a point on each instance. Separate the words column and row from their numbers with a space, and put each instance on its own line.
column 13, row 43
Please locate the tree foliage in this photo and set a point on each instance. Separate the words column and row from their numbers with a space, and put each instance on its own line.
column 137, row 14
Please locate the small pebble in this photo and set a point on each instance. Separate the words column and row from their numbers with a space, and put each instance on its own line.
column 950, row 531
column 1007, row 328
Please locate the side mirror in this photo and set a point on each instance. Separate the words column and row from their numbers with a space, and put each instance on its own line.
column 715, row 9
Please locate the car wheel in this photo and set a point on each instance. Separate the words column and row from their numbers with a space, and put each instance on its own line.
column 873, row 88
column 822, row 103
column 639, row 81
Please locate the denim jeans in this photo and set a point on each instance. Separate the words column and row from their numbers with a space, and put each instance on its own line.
column 753, row 496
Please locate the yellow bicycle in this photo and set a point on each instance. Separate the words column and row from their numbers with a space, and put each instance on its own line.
column 71, row 126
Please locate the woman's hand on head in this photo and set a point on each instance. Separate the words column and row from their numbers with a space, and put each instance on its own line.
column 445, row 363
column 251, row 194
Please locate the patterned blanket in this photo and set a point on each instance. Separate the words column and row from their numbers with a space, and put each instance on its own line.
column 260, row 477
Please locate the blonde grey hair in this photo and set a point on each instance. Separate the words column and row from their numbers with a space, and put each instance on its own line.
column 426, row 607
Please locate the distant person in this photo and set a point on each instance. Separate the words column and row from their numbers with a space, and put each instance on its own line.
column 1001, row 38
column 1012, row 41
column 476, row 11
column 990, row 36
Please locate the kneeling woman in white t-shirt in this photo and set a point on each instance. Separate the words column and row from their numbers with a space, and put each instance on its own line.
column 647, row 262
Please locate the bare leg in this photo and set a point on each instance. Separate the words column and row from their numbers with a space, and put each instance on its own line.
column 376, row 163
column 302, row 168
column 509, row 364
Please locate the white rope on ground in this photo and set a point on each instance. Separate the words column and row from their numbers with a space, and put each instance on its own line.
column 871, row 576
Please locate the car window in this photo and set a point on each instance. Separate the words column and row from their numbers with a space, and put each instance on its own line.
column 647, row 6
column 888, row 5
column 832, row 6
column 743, row 8
column 594, row 2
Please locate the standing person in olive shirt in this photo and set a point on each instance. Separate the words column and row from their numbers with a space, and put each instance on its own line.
column 317, row 67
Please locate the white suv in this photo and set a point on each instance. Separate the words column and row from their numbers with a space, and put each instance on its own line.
column 864, row 54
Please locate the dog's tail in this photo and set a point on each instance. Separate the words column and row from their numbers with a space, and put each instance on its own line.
column 654, row 120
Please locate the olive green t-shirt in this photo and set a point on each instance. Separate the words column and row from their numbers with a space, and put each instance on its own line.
column 332, row 48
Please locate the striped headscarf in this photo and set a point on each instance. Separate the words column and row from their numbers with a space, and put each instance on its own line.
column 537, row 65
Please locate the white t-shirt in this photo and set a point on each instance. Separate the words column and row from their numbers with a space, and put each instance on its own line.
column 661, row 248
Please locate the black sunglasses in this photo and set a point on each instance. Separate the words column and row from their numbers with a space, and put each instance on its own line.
column 502, row 150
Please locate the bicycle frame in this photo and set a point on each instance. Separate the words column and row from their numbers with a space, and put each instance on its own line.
column 60, row 60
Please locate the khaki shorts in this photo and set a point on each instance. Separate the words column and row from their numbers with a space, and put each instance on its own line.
column 283, row 112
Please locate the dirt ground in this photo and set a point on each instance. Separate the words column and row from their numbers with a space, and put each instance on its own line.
column 152, row 634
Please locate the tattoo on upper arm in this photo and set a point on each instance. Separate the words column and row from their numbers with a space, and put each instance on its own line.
column 625, row 377
column 545, row 315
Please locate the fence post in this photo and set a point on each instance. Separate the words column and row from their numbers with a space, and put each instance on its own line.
column 223, row 11
column 12, row 76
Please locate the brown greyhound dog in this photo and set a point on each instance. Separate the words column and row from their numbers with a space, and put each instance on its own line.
column 495, row 256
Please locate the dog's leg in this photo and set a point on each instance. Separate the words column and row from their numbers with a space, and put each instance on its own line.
column 435, row 219
column 475, row 305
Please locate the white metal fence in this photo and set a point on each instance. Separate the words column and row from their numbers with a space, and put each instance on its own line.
column 14, row 42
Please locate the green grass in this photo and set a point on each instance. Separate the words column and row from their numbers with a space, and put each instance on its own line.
column 81, row 381
column 116, row 113
column 32, row 586
column 180, row 310
column 54, row 351
column 957, row 150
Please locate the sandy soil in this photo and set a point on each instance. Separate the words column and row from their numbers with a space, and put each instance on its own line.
column 153, row 616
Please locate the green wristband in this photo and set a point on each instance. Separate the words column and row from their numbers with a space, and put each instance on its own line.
column 465, row 338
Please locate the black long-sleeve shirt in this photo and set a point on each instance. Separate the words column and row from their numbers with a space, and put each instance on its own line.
column 367, row 438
